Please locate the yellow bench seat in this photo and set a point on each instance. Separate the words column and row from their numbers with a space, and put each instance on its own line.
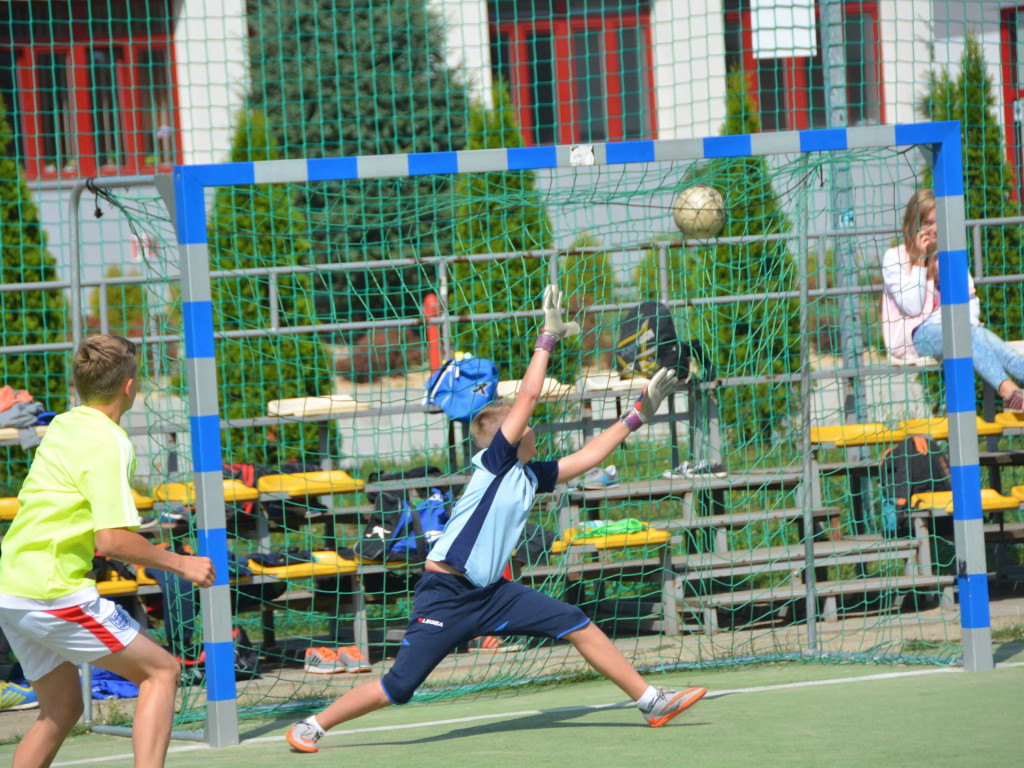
column 872, row 433
column 9, row 507
column 311, row 483
column 116, row 586
column 991, row 501
column 938, row 428
column 649, row 537
column 185, row 493
column 326, row 563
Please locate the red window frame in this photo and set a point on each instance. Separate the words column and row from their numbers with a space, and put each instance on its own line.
column 1013, row 91
column 796, row 70
column 129, row 80
column 561, row 28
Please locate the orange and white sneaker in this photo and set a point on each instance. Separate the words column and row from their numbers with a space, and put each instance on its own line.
column 493, row 644
column 303, row 736
column 322, row 661
column 671, row 703
column 352, row 659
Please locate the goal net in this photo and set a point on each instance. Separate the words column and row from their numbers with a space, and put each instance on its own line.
column 749, row 522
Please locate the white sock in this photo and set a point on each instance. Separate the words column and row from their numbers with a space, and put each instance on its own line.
column 646, row 701
column 315, row 723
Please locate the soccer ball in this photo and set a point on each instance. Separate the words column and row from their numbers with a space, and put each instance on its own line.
column 699, row 212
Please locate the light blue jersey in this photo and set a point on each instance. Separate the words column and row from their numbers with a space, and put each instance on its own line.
column 489, row 517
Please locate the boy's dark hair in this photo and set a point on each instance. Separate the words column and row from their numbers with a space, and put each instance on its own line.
column 101, row 367
column 485, row 424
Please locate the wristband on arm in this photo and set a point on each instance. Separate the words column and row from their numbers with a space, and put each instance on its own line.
column 546, row 341
column 633, row 420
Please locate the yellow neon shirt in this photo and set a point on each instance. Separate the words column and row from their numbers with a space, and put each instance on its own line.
column 79, row 483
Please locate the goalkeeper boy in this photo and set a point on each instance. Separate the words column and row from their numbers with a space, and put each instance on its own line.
column 77, row 499
column 462, row 594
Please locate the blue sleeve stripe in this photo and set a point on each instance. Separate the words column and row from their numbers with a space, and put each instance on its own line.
column 823, row 140
column 953, row 264
column 525, row 158
column 424, row 163
column 727, row 146
column 959, row 373
column 629, row 152
column 197, row 323
column 213, row 543
column 220, row 670
column 974, row 613
column 332, row 168
column 206, row 448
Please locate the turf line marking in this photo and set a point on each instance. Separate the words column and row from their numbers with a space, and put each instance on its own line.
column 591, row 707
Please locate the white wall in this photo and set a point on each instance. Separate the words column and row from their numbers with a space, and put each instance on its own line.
column 689, row 67
column 905, row 27
column 209, row 43
column 466, row 27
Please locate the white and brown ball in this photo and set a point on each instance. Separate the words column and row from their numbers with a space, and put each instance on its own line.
column 699, row 212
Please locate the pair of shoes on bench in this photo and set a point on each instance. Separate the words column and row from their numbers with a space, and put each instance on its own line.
column 598, row 477
column 702, row 468
column 331, row 661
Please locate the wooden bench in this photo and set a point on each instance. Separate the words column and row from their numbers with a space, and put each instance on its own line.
column 706, row 607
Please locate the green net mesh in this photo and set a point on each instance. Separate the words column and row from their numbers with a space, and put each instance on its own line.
column 327, row 289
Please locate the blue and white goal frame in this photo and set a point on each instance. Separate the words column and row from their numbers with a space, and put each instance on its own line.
column 197, row 312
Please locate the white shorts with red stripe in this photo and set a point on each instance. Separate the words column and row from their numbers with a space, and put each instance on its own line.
column 44, row 638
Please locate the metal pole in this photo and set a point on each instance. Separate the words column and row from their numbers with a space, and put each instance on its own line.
column 958, row 365
column 807, row 480
column 207, row 459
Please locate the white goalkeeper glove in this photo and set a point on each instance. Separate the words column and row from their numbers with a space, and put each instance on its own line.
column 555, row 328
column 660, row 386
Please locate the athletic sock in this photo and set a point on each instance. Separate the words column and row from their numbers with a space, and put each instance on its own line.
column 646, row 701
column 315, row 723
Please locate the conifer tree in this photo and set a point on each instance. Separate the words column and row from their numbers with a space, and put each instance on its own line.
column 747, row 338
column 257, row 226
column 30, row 317
column 502, row 213
column 384, row 88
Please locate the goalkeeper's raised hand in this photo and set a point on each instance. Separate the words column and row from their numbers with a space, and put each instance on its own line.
column 660, row 386
column 555, row 327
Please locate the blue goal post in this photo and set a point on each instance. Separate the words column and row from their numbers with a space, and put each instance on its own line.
column 190, row 183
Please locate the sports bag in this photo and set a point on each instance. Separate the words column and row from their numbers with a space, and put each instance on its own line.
column 461, row 388
column 404, row 527
column 916, row 465
column 648, row 342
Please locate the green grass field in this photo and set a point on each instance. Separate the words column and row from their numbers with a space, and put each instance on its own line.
column 766, row 715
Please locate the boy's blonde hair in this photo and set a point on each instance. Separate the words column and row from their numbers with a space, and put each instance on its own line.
column 101, row 366
column 919, row 206
column 485, row 424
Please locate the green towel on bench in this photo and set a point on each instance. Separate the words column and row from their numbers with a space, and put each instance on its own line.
column 601, row 528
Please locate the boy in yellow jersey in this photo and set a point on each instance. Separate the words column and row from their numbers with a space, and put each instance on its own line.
column 77, row 499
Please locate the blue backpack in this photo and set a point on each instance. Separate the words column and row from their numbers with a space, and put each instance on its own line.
column 418, row 528
column 461, row 388
column 406, row 533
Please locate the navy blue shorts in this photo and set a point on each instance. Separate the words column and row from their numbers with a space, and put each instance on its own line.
column 448, row 610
